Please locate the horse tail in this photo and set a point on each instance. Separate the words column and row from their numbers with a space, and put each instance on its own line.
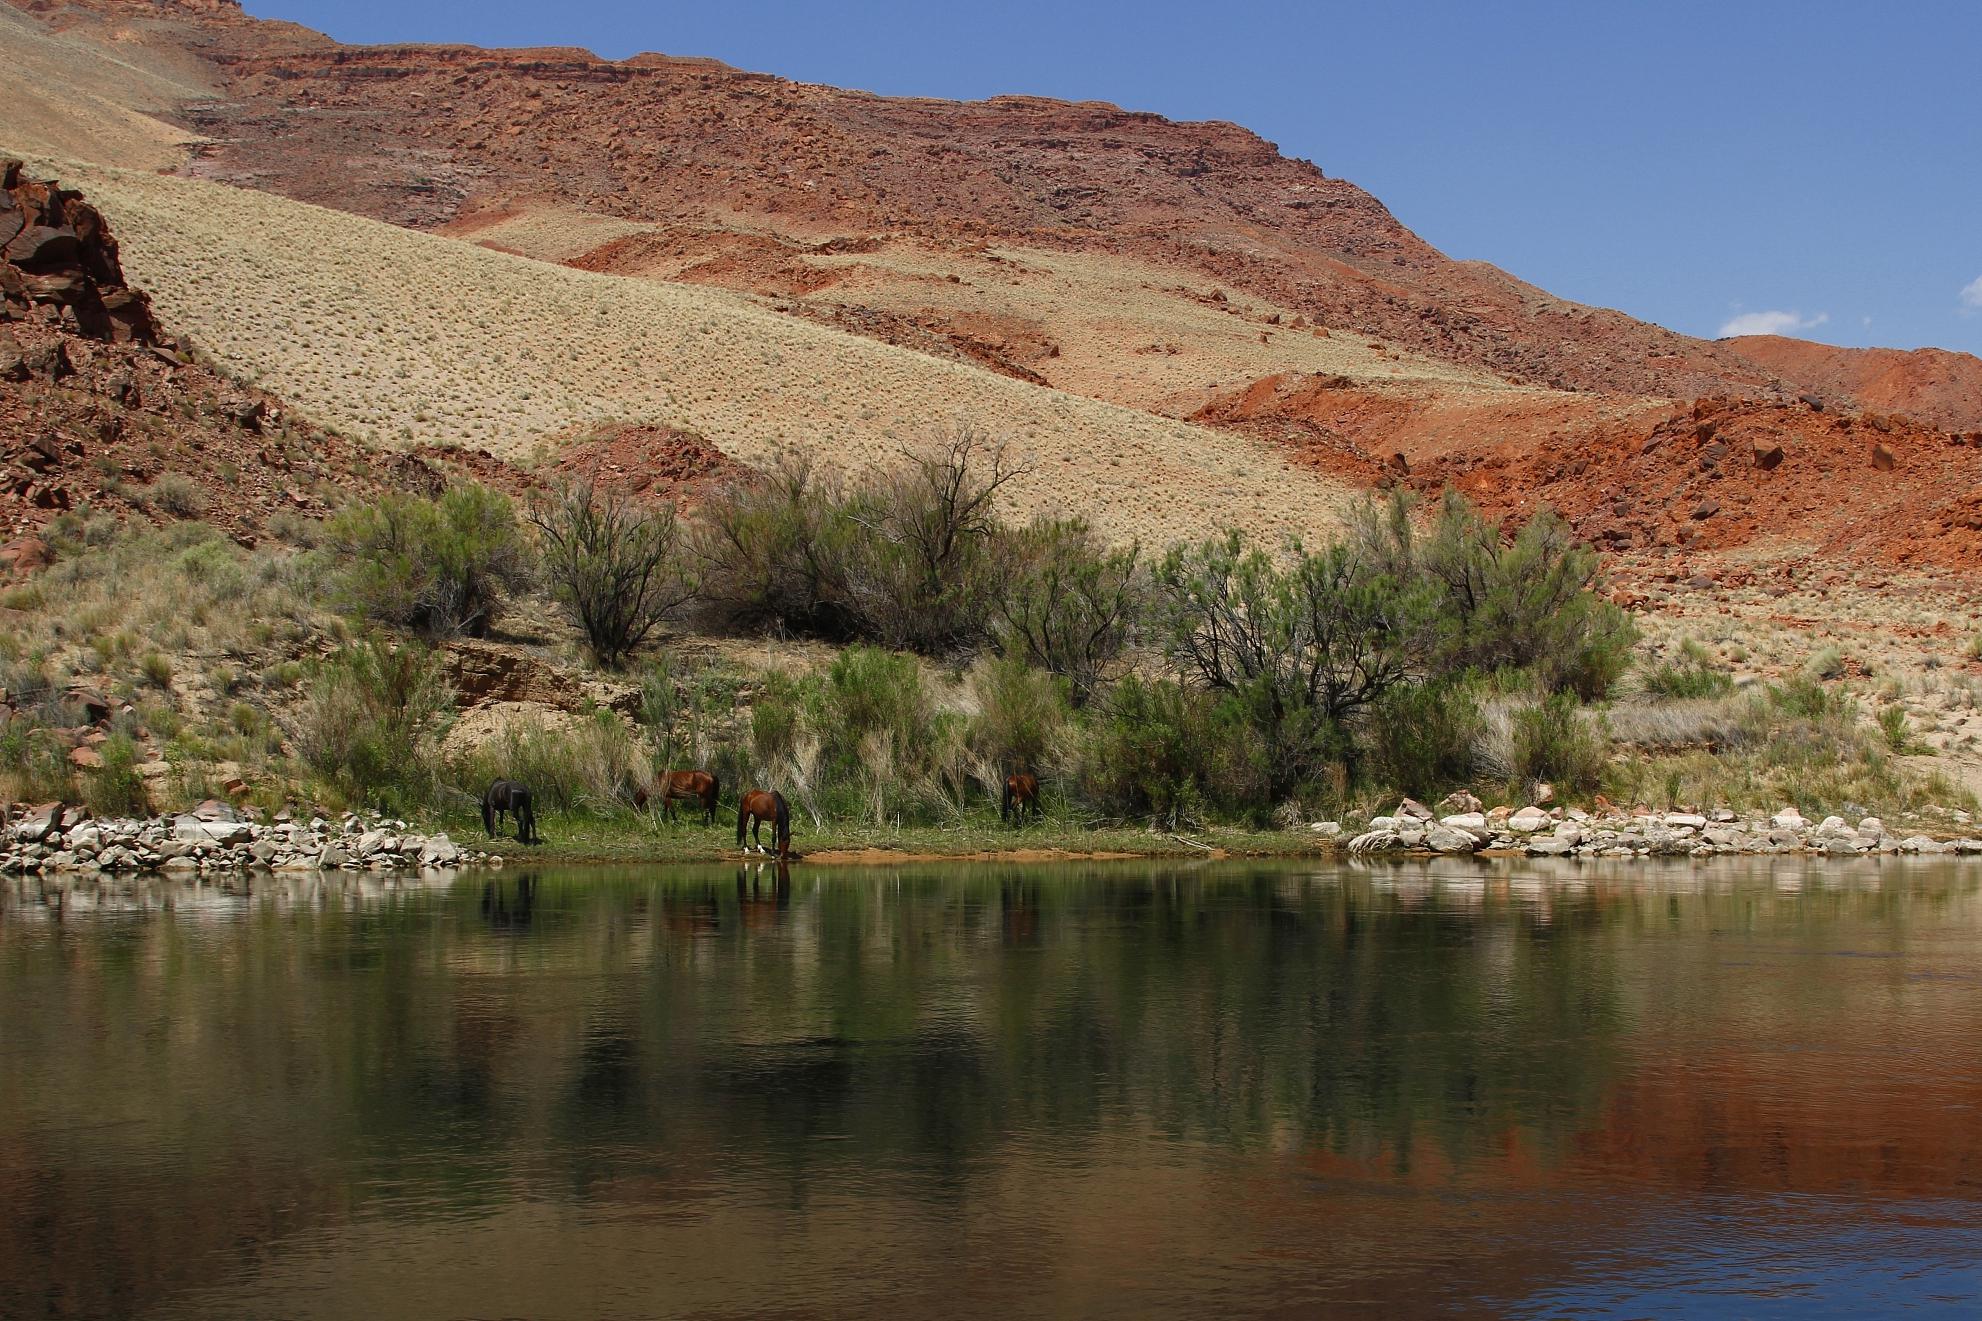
column 488, row 812
column 715, row 796
column 742, row 815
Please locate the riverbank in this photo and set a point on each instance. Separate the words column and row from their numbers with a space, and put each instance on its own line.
column 218, row 838
column 1537, row 832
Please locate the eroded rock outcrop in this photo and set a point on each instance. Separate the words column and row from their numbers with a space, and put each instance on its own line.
column 58, row 263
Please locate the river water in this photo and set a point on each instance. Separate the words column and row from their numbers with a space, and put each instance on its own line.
column 1747, row 1088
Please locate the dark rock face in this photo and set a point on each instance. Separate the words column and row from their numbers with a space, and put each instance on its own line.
column 58, row 262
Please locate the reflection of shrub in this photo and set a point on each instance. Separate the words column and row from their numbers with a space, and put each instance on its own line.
column 440, row 567
column 372, row 718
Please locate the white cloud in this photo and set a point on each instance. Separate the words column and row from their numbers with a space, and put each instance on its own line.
column 1971, row 297
column 1774, row 323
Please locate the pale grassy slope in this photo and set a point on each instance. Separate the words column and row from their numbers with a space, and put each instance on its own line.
column 65, row 95
column 399, row 336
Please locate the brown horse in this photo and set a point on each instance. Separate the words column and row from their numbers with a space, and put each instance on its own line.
column 683, row 786
column 1021, row 796
column 759, row 806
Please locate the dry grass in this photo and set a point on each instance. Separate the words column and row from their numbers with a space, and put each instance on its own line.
column 65, row 95
column 396, row 336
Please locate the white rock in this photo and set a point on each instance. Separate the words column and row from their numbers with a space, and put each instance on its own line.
column 1465, row 821
column 1788, row 819
column 1529, row 820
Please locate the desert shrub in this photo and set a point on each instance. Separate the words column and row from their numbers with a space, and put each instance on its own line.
column 1068, row 605
column 1022, row 718
column 1893, row 728
column 619, row 568
column 922, row 575
column 1826, row 664
column 773, row 553
column 1296, row 653
column 1691, row 675
column 1145, row 756
column 440, row 567
column 176, row 494
column 156, row 669
column 1529, row 603
column 34, row 762
column 1555, row 741
column 371, row 720
column 1421, row 737
column 115, row 788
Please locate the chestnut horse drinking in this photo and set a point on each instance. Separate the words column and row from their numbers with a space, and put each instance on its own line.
column 1021, row 796
column 683, row 786
column 759, row 806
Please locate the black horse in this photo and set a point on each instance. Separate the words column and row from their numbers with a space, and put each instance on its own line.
column 513, row 798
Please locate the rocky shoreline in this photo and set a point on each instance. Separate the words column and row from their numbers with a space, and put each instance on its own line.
column 1558, row 832
column 216, row 837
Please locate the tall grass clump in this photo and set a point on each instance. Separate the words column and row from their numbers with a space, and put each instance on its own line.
column 371, row 720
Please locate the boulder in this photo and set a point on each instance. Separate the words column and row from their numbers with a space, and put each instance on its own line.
column 1459, row 803
column 1473, row 821
column 40, row 822
column 196, row 829
column 1413, row 810
column 1445, row 839
column 440, row 851
column 1788, row 819
column 1529, row 820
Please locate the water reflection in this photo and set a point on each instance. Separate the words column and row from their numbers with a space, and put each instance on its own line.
column 1452, row 1085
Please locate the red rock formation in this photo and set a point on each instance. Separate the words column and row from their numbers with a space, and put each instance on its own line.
column 58, row 263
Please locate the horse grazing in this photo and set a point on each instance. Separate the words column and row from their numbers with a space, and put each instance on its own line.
column 513, row 798
column 1021, row 796
column 683, row 786
column 759, row 806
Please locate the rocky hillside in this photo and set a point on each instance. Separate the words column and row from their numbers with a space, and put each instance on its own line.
column 756, row 168
column 1181, row 325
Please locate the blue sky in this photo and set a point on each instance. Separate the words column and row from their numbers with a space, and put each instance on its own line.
column 1810, row 167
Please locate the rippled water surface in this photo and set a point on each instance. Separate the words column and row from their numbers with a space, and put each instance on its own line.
column 1744, row 1089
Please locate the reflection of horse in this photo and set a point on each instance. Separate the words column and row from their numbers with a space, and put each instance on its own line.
column 759, row 806
column 683, row 786
column 757, row 912
column 1021, row 796
column 513, row 798
column 509, row 905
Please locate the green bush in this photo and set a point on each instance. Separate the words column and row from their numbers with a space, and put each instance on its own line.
column 371, row 721
column 617, row 566
column 115, row 788
column 1295, row 653
column 1557, row 742
column 440, row 567
column 1529, row 603
column 1069, row 605
column 1022, row 718
column 1146, row 753
column 1421, row 737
